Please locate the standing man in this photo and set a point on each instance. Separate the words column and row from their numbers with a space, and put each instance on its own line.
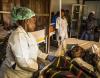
column 62, row 30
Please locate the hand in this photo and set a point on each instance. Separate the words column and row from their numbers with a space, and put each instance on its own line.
column 60, row 51
column 51, row 58
column 41, row 66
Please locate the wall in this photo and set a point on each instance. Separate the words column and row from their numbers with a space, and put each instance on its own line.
column 6, row 6
column 65, row 3
column 40, row 7
column 92, row 6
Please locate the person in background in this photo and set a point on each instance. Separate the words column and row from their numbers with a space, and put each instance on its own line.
column 53, row 24
column 22, row 49
column 91, row 24
column 68, row 17
column 52, row 14
column 53, row 19
column 61, row 28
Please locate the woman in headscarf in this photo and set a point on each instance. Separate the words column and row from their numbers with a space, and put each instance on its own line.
column 22, row 50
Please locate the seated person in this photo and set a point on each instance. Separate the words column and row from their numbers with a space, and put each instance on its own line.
column 91, row 24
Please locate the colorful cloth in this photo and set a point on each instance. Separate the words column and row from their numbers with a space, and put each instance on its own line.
column 63, row 68
column 21, row 13
column 84, row 70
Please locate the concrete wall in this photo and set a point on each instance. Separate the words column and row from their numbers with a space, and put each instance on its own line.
column 92, row 6
column 65, row 4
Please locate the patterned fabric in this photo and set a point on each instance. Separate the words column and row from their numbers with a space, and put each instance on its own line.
column 59, row 69
column 62, row 68
column 86, row 60
column 85, row 70
column 78, row 72
column 21, row 13
column 51, row 73
column 90, row 58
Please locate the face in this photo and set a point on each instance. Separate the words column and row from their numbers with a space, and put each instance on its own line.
column 31, row 24
column 62, row 14
column 77, row 52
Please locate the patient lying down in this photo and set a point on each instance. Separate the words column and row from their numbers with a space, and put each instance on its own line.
column 84, row 58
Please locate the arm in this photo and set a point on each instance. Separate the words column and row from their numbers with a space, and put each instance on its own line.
column 42, row 55
column 57, row 23
column 20, row 49
column 46, row 56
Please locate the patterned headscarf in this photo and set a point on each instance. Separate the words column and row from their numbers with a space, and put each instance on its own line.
column 21, row 13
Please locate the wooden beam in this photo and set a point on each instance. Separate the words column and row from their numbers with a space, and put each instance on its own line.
column 6, row 12
column 80, row 1
column 42, row 14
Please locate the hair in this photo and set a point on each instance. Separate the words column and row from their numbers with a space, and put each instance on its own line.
column 67, row 10
column 71, row 53
column 52, row 13
column 62, row 10
column 23, row 23
column 91, row 16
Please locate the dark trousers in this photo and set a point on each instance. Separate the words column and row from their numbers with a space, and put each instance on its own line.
column 87, row 36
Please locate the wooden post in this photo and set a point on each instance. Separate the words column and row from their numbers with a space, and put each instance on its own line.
column 48, row 33
column 1, row 15
column 81, row 8
column 6, row 6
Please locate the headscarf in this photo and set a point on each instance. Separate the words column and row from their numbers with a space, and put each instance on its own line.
column 21, row 13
